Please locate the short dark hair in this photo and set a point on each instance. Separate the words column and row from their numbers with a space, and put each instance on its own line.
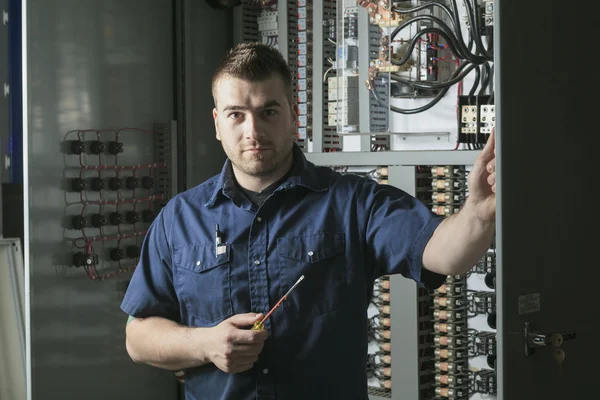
column 254, row 62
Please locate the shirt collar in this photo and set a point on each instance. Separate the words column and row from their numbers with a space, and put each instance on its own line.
column 304, row 173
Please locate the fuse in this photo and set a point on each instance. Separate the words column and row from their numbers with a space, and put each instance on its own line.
column 444, row 210
column 451, row 380
column 385, row 346
column 447, row 170
column 451, row 302
column 446, row 366
column 451, row 353
column 447, row 184
column 448, row 315
column 447, row 197
column 448, row 327
column 452, row 393
column 376, row 359
column 450, row 341
column 450, row 288
column 379, row 322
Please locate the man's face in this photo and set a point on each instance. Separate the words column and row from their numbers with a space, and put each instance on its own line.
column 255, row 124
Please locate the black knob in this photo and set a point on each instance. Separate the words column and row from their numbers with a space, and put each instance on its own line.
column 79, row 222
column 491, row 320
column 117, row 254
column 132, row 183
column 147, row 182
column 115, row 183
column 132, row 217
column 97, row 184
column 78, row 147
column 82, row 259
column 115, row 147
column 97, row 147
column 98, row 220
column 78, row 185
column 148, row 215
column 490, row 280
column 133, row 251
column 116, row 218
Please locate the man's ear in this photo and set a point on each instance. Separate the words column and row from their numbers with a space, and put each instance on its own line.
column 215, row 115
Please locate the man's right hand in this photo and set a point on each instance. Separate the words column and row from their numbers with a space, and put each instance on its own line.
column 234, row 347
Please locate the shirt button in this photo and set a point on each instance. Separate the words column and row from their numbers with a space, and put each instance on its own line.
column 265, row 371
column 258, row 219
column 310, row 254
column 256, row 262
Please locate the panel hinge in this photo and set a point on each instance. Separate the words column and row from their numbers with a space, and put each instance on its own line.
column 6, row 89
column 4, row 17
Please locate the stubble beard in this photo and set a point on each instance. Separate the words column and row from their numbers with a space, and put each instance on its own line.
column 257, row 165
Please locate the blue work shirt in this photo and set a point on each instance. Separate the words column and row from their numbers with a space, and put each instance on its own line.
column 340, row 231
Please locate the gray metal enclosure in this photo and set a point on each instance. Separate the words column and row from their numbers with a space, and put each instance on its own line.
column 545, row 163
column 90, row 65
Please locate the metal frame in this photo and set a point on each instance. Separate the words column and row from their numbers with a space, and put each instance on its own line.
column 403, row 309
column 364, row 97
column 442, row 157
column 317, row 77
column 26, row 220
column 282, row 27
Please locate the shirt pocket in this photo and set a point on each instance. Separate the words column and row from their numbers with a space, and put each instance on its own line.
column 321, row 259
column 203, row 282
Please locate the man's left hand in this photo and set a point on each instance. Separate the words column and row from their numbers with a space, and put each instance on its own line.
column 482, row 182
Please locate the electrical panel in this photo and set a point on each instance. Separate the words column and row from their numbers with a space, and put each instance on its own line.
column 111, row 197
column 385, row 76
column 457, row 321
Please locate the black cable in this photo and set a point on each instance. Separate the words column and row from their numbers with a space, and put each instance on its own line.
column 458, row 72
column 475, row 84
column 487, row 73
column 415, row 40
column 474, row 19
column 456, row 77
column 446, row 33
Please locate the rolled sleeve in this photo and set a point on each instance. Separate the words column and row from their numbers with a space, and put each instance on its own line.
column 151, row 291
column 398, row 229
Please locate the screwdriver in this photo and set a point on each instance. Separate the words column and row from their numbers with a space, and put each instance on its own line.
column 259, row 326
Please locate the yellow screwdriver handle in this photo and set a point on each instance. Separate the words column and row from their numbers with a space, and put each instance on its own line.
column 258, row 326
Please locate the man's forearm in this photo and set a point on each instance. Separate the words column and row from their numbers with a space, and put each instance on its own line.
column 165, row 344
column 458, row 243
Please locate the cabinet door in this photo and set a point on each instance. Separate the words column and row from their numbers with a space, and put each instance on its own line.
column 545, row 254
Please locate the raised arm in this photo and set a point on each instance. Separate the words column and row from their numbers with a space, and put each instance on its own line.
column 463, row 238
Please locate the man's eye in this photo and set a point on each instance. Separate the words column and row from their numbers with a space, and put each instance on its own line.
column 269, row 113
column 234, row 115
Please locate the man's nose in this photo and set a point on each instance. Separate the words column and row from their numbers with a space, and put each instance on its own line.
column 253, row 128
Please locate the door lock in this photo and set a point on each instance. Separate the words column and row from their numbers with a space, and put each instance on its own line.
column 535, row 339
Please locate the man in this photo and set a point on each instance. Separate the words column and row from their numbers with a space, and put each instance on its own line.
column 197, row 291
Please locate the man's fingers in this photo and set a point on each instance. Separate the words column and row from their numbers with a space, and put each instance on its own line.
column 489, row 150
column 491, row 166
column 248, row 349
column 246, row 336
column 492, row 179
column 245, row 320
